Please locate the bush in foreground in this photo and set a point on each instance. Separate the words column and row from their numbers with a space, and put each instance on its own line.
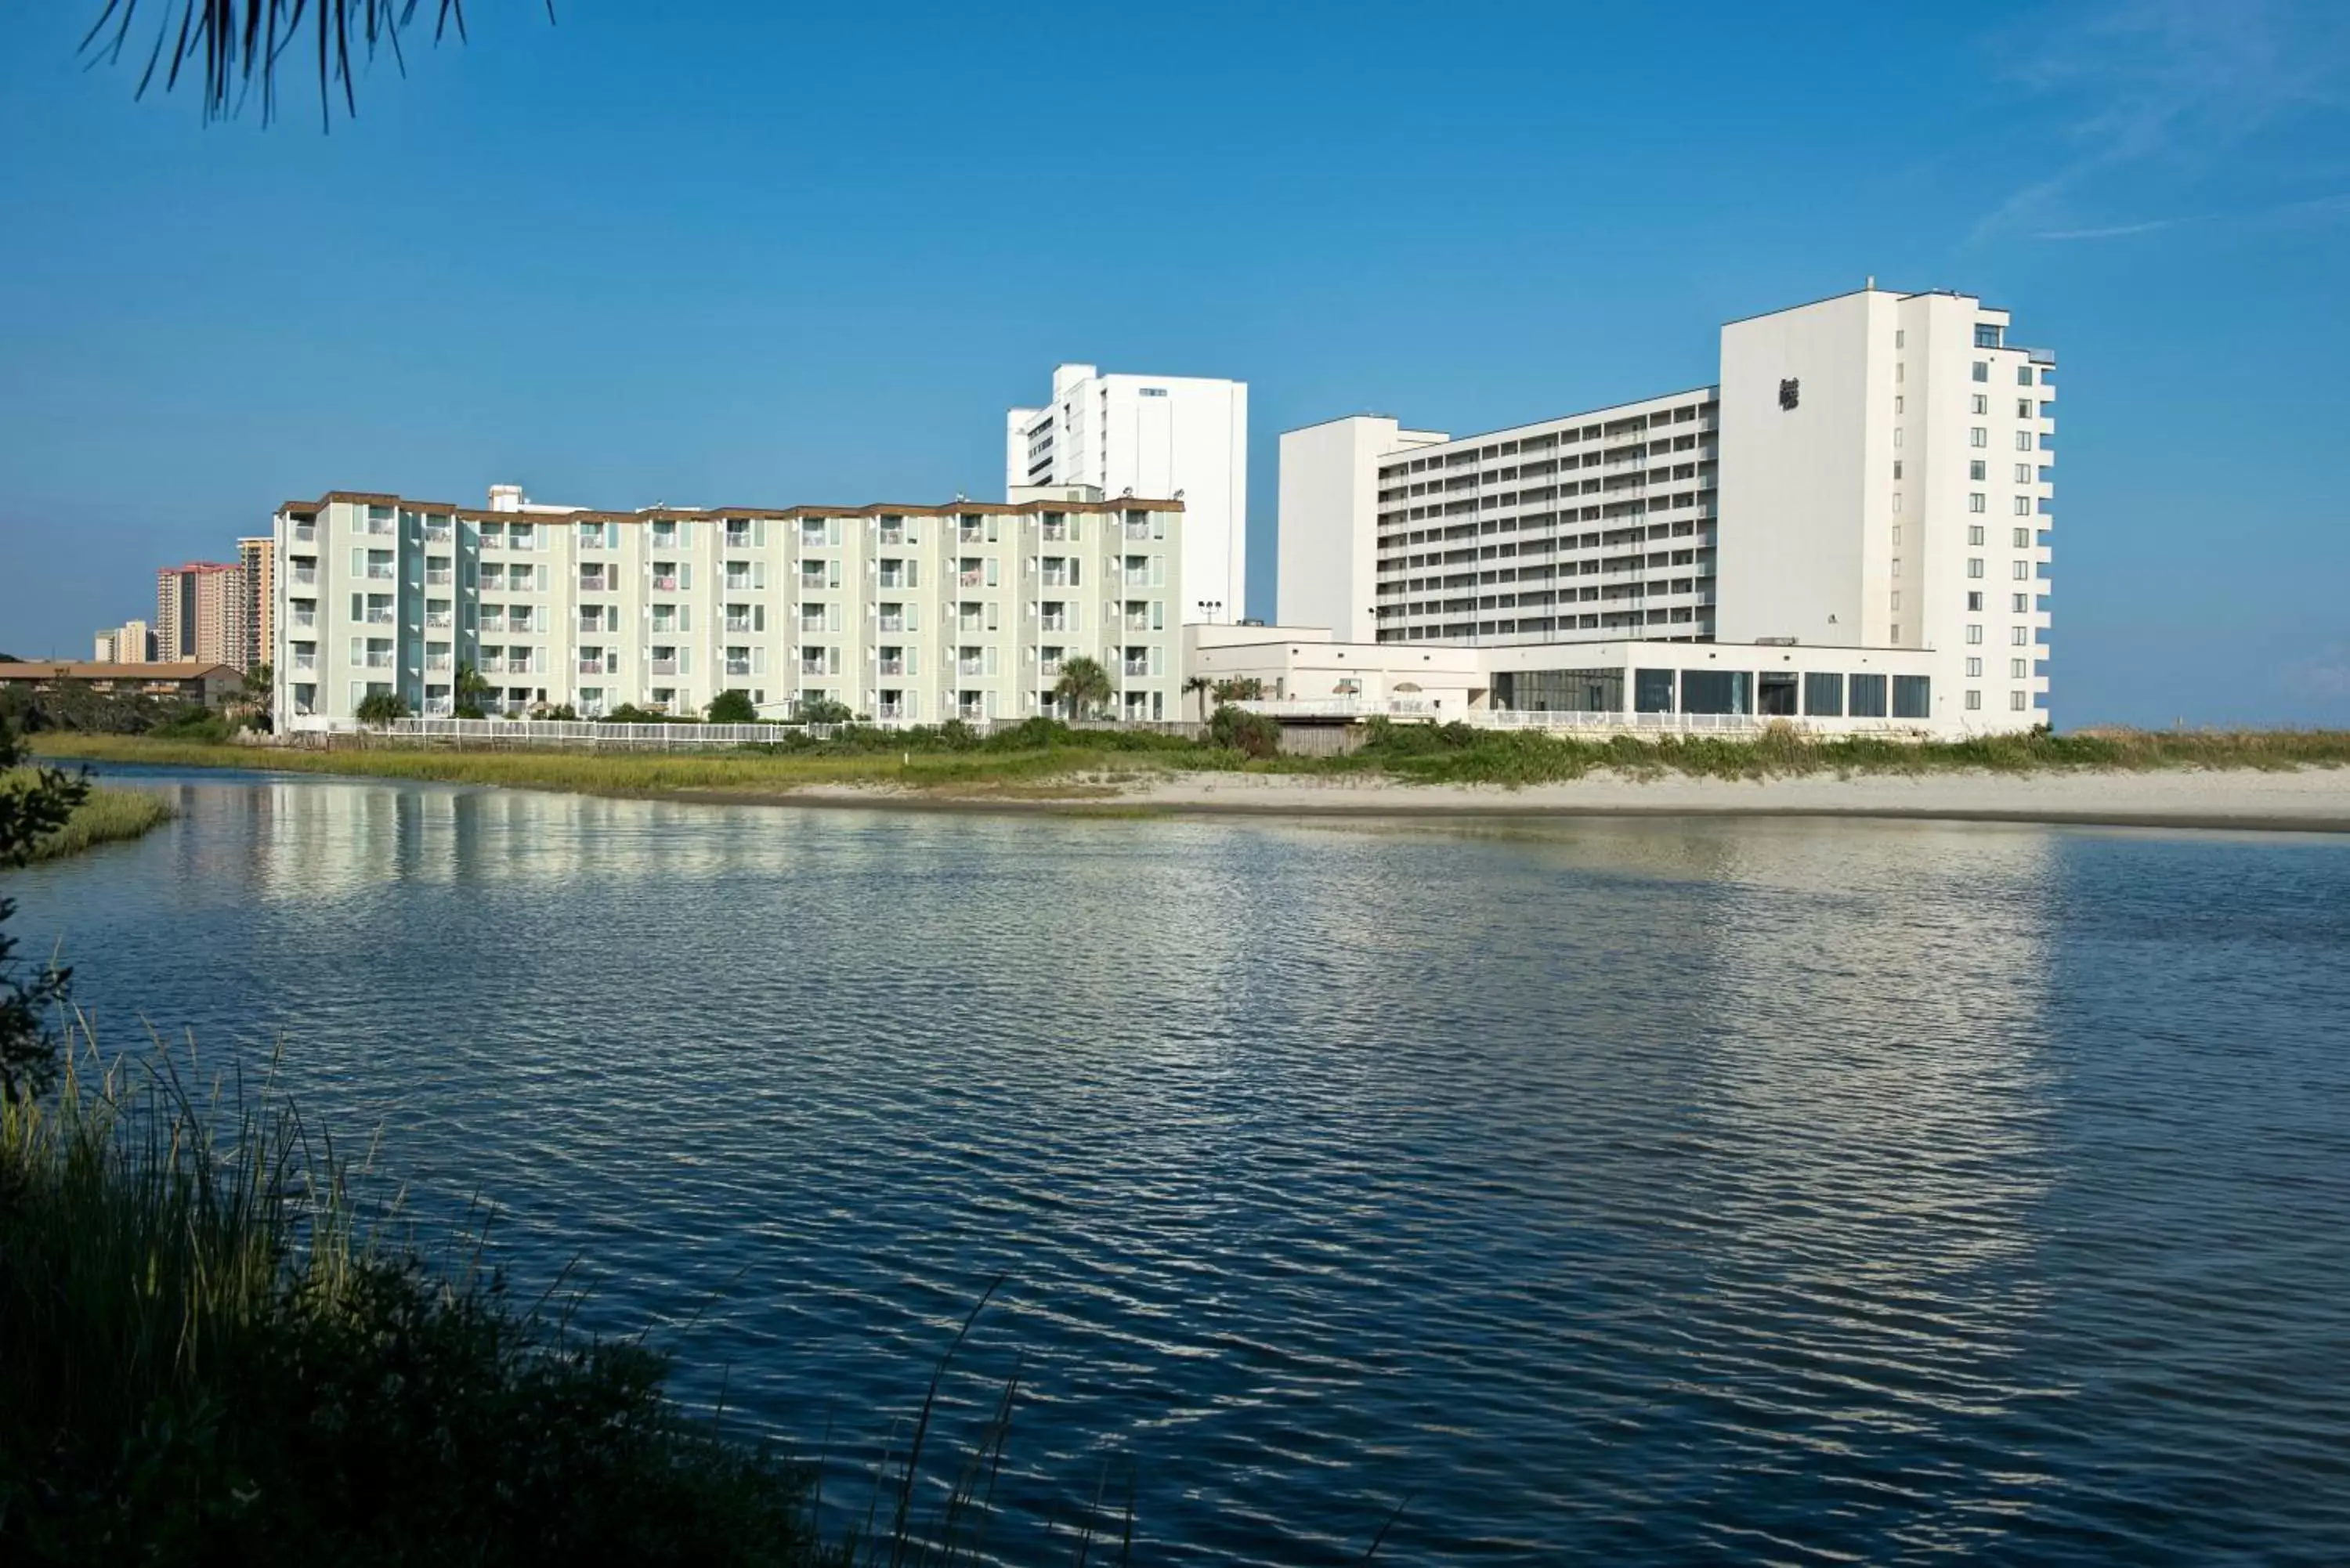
column 202, row 1358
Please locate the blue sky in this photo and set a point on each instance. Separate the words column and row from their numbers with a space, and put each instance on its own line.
column 705, row 253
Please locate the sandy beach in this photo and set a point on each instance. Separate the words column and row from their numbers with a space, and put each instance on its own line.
column 2306, row 800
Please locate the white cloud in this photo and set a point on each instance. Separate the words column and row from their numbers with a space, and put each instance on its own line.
column 2181, row 93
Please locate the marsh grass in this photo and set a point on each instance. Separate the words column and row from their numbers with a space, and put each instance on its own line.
column 211, row 1350
column 104, row 817
column 1041, row 759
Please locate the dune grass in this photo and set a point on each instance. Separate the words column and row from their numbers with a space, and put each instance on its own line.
column 1047, row 761
column 104, row 817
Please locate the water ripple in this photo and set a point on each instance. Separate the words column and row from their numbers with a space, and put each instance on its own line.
column 1776, row 1192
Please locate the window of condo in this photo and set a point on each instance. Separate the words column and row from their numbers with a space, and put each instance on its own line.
column 1982, row 370
column 1912, row 697
column 1982, row 404
column 1974, row 701
column 1974, row 668
column 1975, row 471
column 1978, row 437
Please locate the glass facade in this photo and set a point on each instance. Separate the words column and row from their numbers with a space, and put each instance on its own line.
column 1652, row 691
column 1559, row 690
column 1716, row 692
column 1913, row 697
column 1823, row 695
column 1868, row 696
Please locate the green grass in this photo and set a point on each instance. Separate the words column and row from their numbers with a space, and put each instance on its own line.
column 104, row 817
column 207, row 1353
column 1043, row 761
column 206, row 1357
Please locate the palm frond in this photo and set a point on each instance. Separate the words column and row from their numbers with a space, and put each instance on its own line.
column 238, row 44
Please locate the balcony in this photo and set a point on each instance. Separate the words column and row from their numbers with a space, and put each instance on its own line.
column 890, row 667
column 973, row 579
column 1139, row 530
column 665, row 585
column 893, row 623
column 1055, row 531
column 812, row 582
column 1137, row 668
column 972, row 712
column 738, row 582
column 381, row 572
column 436, row 661
column 969, row 533
column 305, row 620
column 738, row 623
column 305, row 533
column 438, row 577
column 664, row 667
column 738, row 536
column 382, row 527
column 1048, row 667
column 1138, row 621
column 305, row 663
column 379, row 661
column 970, row 666
column 1054, row 622
column 588, row 667
column 738, row 667
column 381, row 617
column 888, row 711
column 593, row 625
column 493, row 664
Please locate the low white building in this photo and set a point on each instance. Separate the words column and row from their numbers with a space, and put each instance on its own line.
column 1304, row 673
column 1179, row 436
column 916, row 613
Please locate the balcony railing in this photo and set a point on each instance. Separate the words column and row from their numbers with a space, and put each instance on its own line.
column 890, row 711
column 305, row 533
column 379, row 661
column 1048, row 667
column 893, row 623
column 380, row 618
column 438, row 577
column 738, row 667
column 664, row 666
column 738, row 623
column 1055, row 623
column 593, row 667
column 1141, row 531
column 1135, row 667
column 665, row 585
column 891, row 667
column 972, row 712
column 305, row 621
column 381, row 573
column 304, row 663
column 436, row 661
column 970, row 666
column 973, row 579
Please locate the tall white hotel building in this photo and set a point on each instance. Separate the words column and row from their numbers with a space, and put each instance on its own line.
column 1872, row 472
column 1184, row 436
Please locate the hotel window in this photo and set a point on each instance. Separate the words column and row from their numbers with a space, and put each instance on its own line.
column 1975, row 471
column 1912, row 697
column 1974, row 701
column 1897, row 402
column 1897, row 438
column 2015, row 701
column 2017, row 669
column 1974, row 534
column 2023, row 441
column 1974, row 668
column 1974, row 601
column 2023, row 408
column 1974, row 635
column 2022, row 506
column 2023, row 572
column 2022, row 538
column 1978, row 437
column 2022, row 473
column 1897, row 565
column 1900, row 339
column 1975, row 501
column 2019, row 636
column 2020, row 604
column 1897, row 468
column 1897, row 501
column 1982, row 370
column 1982, row 404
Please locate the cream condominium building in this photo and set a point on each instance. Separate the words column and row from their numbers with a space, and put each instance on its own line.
column 914, row 614
column 1872, row 472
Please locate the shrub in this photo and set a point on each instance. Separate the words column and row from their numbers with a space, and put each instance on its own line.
column 1251, row 734
column 732, row 707
column 202, row 1358
column 192, row 722
column 381, row 708
column 821, row 711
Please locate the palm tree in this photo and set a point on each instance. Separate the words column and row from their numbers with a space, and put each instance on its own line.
column 1084, row 688
column 1205, row 687
column 471, row 686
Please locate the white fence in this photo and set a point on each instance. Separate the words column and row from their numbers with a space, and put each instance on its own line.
column 587, row 733
column 1743, row 725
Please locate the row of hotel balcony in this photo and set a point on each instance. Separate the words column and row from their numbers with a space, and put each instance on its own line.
column 736, row 533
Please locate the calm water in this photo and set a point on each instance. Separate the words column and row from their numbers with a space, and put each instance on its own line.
column 1631, row 1192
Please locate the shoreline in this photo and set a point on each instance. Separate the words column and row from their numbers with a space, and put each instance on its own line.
column 2305, row 799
